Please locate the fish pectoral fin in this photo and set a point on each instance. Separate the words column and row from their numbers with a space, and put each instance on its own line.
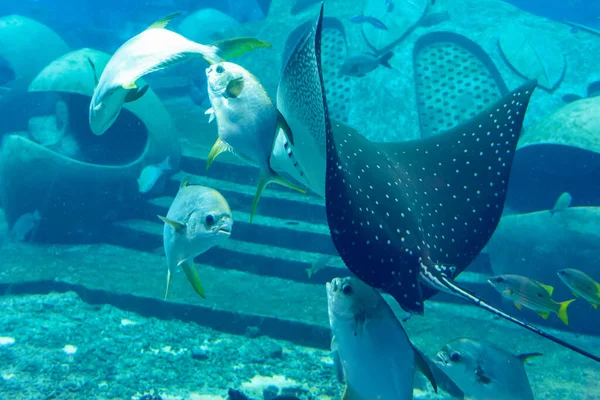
column 234, row 88
column 93, row 70
column 230, row 48
column 547, row 288
column 219, row 147
column 526, row 356
column 164, row 21
column 594, row 305
column 98, row 106
column 481, row 376
column 519, row 307
column 211, row 112
column 178, row 226
column 133, row 95
column 562, row 311
column 423, row 366
column 192, row 275
column 339, row 368
column 129, row 86
column 263, row 180
column 576, row 295
column 284, row 126
column 544, row 315
column 168, row 282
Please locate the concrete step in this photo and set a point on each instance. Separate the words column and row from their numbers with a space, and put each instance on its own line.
column 255, row 258
column 276, row 201
column 297, row 235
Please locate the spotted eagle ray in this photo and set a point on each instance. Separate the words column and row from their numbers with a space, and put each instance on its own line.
column 408, row 217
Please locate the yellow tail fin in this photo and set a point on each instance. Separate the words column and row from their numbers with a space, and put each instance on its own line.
column 562, row 311
column 266, row 178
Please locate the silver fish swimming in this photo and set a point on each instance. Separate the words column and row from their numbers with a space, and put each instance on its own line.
column 199, row 218
column 247, row 120
column 361, row 64
column 376, row 357
column 484, row 371
column 152, row 50
column 151, row 174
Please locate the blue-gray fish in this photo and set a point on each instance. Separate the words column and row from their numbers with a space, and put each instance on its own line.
column 408, row 217
column 484, row 371
column 368, row 19
column 376, row 356
column 361, row 64
column 152, row 50
column 25, row 226
column 562, row 203
column 247, row 120
column 151, row 174
column 199, row 218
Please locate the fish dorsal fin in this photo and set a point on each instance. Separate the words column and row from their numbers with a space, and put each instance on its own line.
column 423, row 366
column 526, row 356
column 547, row 288
column 230, row 48
column 178, row 226
column 234, row 88
column 163, row 22
column 185, row 182
column 94, row 71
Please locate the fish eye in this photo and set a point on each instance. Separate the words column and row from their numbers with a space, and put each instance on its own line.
column 210, row 219
column 347, row 290
column 499, row 279
column 220, row 69
column 455, row 356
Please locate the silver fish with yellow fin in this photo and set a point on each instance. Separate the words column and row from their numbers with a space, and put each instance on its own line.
column 581, row 284
column 247, row 121
column 376, row 358
column 484, row 371
column 199, row 218
column 530, row 294
column 152, row 50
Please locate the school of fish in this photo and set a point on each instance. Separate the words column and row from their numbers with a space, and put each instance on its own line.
column 406, row 218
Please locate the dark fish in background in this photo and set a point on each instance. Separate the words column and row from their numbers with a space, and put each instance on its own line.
column 562, row 203
column 390, row 5
column 408, row 217
column 484, row 371
column 25, row 226
column 371, row 20
column 302, row 5
column 361, row 64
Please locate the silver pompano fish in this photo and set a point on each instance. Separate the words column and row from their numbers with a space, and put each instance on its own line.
column 300, row 101
column 377, row 358
column 485, row 372
column 199, row 218
column 152, row 50
column 247, row 120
